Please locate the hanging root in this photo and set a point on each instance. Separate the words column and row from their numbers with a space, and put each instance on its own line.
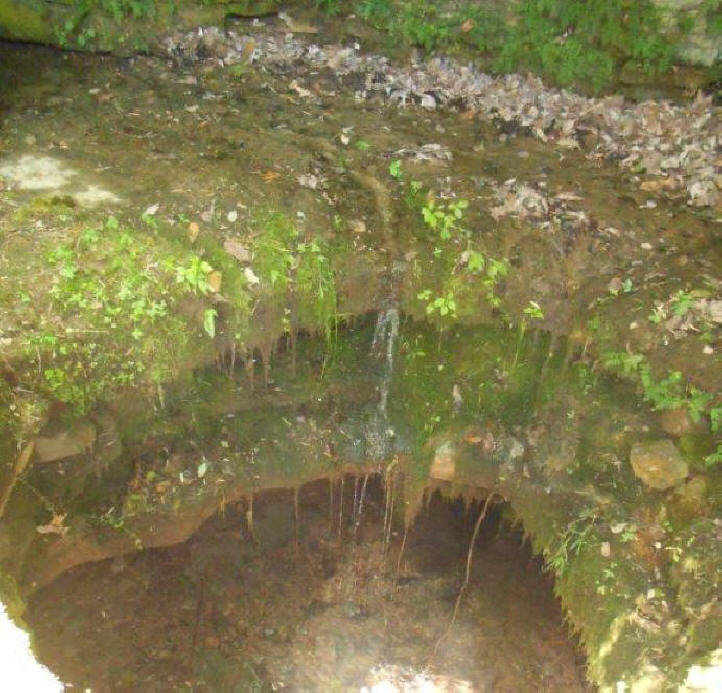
column 389, row 481
column 340, row 508
column 266, row 354
column 401, row 552
column 295, row 517
column 249, row 518
column 248, row 367
column 360, row 509
column 465, row 584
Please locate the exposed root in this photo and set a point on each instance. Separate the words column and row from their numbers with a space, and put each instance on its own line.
column 389, row 486
column 266, row 353
column 401, row 551
column 249, row 518
column 248, row 367
column 465, row 584
column 295, row 518
column 360, row 508
column 340, row 508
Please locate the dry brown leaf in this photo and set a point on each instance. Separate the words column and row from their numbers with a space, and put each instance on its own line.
column 237, row 250
column 214, row 281
column 55, row 526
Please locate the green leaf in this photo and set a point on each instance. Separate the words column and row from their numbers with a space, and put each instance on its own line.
column 209, row 322
column 395, row 169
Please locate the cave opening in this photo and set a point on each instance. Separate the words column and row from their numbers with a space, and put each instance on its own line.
column 321, row 588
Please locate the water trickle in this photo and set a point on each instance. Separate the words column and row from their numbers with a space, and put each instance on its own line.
column 385, row 335
column 378, row 433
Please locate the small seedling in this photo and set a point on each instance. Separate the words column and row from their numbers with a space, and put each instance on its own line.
column 395, row 169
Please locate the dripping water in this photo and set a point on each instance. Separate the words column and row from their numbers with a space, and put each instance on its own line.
column 385, row 335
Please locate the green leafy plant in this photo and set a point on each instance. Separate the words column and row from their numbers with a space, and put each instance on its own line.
column 715, row 457
column 445, row 305
column 329, row 7
column 577, row 42
column 376, row 12
column 117, row 10
column 411, row 194
column 316, row 286
column 113, row 306
column 532, row 311
column 682, row 303
column 715, row 416
column 297, row 274
column 194, row 276
column 209, row 322
column 444, row 217
column 656, row 316
column 670, row 392
column 395, row 170
column 274, row 251
column 464, row 272
column 575, row 537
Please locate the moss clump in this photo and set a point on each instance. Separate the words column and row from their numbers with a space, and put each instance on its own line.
column 296, row 280
column 25, row 20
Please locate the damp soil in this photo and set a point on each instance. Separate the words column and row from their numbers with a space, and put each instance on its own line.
column 327, row 609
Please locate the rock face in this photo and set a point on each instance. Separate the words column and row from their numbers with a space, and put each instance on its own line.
column 658, row 464
column 74, row 441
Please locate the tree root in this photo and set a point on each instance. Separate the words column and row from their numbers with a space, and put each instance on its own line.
column 464, row 584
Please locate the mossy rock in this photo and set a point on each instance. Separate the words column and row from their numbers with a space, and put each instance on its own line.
column 25, row 20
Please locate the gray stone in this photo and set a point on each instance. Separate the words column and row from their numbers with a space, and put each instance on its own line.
column 74, row 441
column 658, row 464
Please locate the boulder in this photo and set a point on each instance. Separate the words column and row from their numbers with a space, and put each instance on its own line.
column 658, row 464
